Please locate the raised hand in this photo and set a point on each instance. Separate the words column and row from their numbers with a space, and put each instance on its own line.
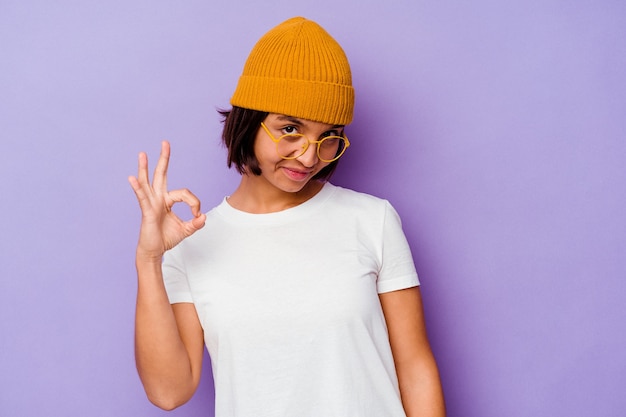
column 161, row 228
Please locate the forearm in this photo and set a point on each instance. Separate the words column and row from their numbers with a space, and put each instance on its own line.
column 420, row 388
column 162, row 359
column 418, row 376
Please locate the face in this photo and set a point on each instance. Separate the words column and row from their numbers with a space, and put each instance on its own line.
column 290, row 175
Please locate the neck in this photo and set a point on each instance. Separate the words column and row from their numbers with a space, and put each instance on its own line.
column 252, row 197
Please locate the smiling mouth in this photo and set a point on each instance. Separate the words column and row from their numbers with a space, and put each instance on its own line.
column 296, row 175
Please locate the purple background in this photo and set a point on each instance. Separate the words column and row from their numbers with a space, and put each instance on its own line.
column 497, row 129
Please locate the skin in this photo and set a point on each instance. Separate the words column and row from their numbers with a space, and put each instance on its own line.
column 169, row 340
column 283, row 183
column 418, row 376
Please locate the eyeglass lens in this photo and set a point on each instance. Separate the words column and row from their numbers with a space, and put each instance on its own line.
column 328, row 149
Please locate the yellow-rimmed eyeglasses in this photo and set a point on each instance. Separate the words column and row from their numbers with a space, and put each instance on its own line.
column 294, row 145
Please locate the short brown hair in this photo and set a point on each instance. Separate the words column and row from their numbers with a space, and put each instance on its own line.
column 240, row 129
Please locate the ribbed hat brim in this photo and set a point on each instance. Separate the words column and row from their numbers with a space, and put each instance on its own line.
column 317, row 101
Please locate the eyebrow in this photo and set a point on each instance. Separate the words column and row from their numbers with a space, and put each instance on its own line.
column 300, row 122
column 291, row 119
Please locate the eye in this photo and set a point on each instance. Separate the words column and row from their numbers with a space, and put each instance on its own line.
column 331, row 143
column 331, row 133
column 289, row 130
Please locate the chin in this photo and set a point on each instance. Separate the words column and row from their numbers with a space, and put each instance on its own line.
column 295, row 186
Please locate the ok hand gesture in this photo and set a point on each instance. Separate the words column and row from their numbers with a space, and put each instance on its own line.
column 161, row 228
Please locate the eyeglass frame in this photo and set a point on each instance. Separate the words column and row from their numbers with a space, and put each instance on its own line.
column 308, row 143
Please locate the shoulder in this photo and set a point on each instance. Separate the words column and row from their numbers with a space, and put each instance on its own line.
column 358, row 202
column 366, row 204
column 355, row 198
column 367, row 209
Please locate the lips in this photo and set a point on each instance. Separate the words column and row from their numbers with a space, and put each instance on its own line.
column 296, row 174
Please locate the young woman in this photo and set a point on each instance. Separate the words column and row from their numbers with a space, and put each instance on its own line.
column 304, row 293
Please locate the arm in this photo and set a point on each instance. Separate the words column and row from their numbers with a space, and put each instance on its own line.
column 168, row 342
column 168, row 338
column 418, row 377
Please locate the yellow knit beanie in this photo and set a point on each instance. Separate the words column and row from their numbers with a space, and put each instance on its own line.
column 298, row 69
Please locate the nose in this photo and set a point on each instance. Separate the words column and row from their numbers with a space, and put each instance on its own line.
column 309, row 158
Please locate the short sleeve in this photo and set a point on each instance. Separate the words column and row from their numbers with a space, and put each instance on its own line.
column 397, row 269
column 175, row 278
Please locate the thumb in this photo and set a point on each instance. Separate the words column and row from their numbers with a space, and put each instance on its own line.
column 198, row 222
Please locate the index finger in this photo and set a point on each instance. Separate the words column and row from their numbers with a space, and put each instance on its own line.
column 159, row 181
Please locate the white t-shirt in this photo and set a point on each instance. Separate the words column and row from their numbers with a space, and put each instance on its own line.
column 289, row 305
